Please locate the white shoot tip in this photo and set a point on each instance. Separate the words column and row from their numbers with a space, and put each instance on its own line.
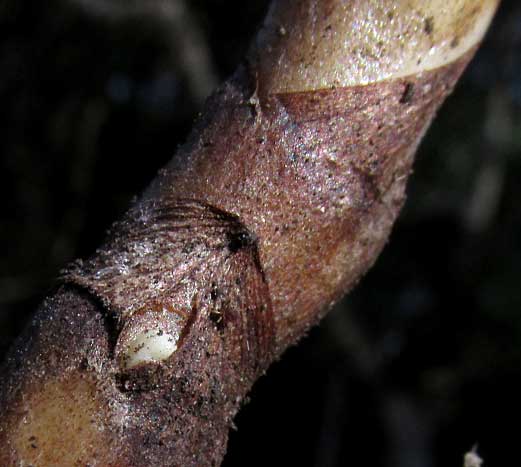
column 149, row 346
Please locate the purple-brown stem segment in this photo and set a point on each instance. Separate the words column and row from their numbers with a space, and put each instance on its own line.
column 281, row 199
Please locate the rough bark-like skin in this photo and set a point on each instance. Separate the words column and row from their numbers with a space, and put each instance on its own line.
column 318, row 177
column 181, row 259
column 289, row 202
column 275, row 207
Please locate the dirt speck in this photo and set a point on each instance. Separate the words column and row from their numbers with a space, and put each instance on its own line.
column 408, row 94
column 428, row 25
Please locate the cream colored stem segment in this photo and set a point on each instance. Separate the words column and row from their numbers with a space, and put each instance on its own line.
column 313, row 44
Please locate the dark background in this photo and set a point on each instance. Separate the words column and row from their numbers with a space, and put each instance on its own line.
column 419, row 363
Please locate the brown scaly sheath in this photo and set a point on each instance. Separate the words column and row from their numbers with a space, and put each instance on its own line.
column 281, row 199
